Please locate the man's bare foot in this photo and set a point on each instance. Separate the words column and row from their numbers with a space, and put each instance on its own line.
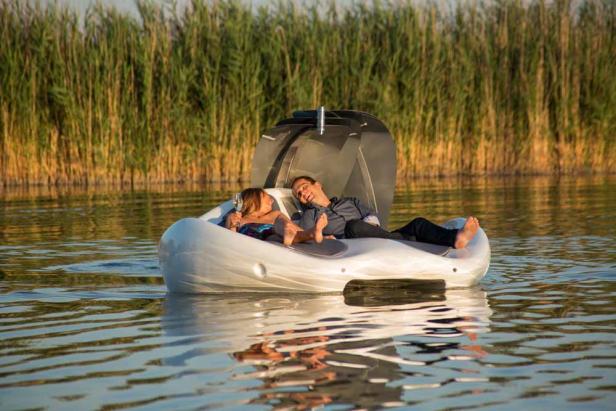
column 318, row 228
column 289, row 234
column 467, row 232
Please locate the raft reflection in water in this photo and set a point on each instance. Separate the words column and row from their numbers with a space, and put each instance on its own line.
column 361, row 350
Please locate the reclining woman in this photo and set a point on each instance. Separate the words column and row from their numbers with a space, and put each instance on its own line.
column 258, row 219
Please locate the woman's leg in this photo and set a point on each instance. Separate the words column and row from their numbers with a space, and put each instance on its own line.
column 315, row 233
column 293, row 234
column 286, row 229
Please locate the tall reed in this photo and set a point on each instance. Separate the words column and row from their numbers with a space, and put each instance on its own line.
column 509, row 87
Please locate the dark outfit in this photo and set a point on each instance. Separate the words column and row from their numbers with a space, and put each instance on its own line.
column 339, row 213
column 345, row 220
column 257, row 230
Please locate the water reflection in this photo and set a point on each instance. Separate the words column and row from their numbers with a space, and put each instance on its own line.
column 81, row 303
column 307, row 351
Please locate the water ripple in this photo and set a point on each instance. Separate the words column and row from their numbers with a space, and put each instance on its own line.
column 85, row 322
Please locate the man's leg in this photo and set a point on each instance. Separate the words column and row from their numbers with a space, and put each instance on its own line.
column 425, row 231
column 362, row 229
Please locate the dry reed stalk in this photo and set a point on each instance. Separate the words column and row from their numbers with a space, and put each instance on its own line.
column 503, row 88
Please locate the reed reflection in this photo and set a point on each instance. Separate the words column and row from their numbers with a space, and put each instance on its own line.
column 307, row 351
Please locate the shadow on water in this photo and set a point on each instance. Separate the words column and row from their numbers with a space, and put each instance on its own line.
column 307, row 351
column 371, row 293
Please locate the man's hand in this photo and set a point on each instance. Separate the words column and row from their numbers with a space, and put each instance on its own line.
column 372, row 219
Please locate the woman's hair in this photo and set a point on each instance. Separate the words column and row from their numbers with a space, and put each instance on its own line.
column 251, row 200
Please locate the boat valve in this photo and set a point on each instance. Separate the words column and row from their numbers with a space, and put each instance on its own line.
column 259, row 270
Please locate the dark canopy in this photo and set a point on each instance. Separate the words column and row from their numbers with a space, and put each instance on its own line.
column 354, row 157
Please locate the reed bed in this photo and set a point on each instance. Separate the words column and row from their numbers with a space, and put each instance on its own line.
column 508, row 87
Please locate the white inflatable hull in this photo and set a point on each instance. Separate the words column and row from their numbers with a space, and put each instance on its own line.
column 198, row 256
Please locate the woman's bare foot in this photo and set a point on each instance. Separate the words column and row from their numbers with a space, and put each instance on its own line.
column 467, row 232
column 318, row 228
column 289, row 234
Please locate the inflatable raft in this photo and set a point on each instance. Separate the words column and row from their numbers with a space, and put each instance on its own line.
column 352, row 154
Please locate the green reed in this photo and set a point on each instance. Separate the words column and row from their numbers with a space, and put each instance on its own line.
column 504, row 88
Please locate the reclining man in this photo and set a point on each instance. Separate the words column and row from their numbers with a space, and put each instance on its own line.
column 349, row 218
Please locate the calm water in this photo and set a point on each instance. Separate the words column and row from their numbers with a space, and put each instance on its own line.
column 85, row 322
